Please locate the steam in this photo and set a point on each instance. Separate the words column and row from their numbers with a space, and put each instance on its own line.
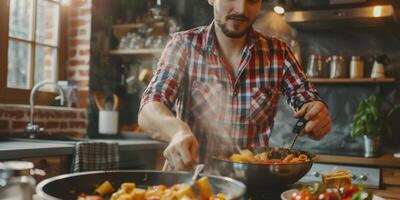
column 213, row 111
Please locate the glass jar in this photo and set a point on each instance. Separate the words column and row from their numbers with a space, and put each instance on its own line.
column 16, row 182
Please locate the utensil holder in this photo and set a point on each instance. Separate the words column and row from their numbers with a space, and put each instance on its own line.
column 108, row 122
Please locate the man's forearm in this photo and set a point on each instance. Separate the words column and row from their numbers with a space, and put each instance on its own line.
column 157, row 120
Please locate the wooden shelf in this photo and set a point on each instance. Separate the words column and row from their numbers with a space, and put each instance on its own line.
column 136, row 25
column 350, row 80
column 122, row 29
column 127, row 52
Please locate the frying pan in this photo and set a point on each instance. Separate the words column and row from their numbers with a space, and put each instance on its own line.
column 69, row 186
column 256, row 175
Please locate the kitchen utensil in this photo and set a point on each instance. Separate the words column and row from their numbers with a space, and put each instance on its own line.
column 69, row 186
column 378, row 69
column 337, row 67
column 297, row 129
column 101, row 102
column 199, row 168
column 356, row 67
column 315, row 66
column 259, row 175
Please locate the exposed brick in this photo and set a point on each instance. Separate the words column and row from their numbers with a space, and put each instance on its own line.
column 83, row 82
column 84, row 52
column 83, row 115
column 15, row 114
column 4, row 125
column 77, row 124
column 84, row 73
column 77, row 62
column 63, row 124
column 82, row 32
column 71, row 74
column 78, row 22
column 73, row 33
column 73, row 13
column 86, row 11
column 18, row 124
column 70, row 115
column 77, row 3
column 76, row 42
column 52, row 124
column 72, row 52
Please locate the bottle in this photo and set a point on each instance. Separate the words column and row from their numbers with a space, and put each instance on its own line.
column 16, row 180
column 356, row 67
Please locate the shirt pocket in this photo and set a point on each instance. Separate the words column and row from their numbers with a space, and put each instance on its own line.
column 263, row 105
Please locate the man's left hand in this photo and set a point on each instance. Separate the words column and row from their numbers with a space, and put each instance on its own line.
column 318, row 120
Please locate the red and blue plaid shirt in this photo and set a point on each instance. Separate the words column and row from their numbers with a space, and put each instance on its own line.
column 192, row 80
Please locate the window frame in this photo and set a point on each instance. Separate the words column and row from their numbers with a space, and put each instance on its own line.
column 21, row 96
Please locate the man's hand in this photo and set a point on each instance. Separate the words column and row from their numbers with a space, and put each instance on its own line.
column 182, row 152
column 319, row 122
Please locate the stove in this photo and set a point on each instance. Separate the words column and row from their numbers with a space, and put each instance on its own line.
column 369, row 176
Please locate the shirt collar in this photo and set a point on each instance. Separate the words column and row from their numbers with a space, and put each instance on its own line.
column 211, row 45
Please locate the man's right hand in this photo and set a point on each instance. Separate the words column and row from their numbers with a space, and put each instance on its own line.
column 183, row 151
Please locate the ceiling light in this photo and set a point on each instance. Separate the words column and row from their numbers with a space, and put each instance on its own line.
column 377, row 12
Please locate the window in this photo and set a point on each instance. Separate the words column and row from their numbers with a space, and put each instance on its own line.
column 32, row 47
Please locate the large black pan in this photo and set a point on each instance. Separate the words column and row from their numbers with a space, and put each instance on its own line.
column 69, row 186
column 263, row 175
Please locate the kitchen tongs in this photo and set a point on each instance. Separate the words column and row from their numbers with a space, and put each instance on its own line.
column 297, row 129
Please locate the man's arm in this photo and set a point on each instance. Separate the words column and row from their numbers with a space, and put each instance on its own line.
column 155, row 115
column 157, row 120
column 304, row 98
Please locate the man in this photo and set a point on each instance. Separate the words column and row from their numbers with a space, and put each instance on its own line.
column 229, row 71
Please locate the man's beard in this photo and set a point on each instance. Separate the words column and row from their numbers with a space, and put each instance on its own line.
column 233, row 34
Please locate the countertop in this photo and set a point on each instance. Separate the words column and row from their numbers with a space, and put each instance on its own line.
column 12, row 148
column 386, row 160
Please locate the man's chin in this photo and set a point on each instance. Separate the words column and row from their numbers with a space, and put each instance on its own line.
column 234, row 34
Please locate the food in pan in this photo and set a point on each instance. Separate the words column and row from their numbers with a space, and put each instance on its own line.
column 129, row 191
column 273, row 156
column 335, row 186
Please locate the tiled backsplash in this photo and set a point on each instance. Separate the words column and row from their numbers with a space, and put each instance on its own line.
column 58, row 121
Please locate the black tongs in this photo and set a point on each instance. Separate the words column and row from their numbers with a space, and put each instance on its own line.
column 297, row 129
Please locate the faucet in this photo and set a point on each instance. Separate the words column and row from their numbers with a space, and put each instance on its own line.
column 32, row 128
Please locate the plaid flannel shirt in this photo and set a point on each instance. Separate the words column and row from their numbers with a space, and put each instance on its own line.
column 192, row 80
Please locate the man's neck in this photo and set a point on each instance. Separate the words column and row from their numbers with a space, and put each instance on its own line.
column 229, row 46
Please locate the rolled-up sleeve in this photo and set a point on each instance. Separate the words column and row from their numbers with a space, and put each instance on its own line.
column 167, row 77
column 296, row 86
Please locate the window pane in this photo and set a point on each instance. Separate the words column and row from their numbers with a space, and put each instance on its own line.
column 47, row 22
column 45, row 64
column 19, row 54
column 21, row 19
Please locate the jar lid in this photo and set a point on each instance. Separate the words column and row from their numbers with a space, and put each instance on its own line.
column 16, row 168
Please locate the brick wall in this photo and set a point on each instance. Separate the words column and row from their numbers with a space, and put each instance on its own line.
column 54, row 120
column 79, row 26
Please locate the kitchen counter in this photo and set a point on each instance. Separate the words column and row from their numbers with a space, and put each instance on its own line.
column 386, row 160
column 23, row 148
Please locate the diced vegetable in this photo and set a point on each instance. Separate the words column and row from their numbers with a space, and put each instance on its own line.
column 104, row 188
